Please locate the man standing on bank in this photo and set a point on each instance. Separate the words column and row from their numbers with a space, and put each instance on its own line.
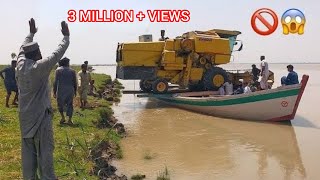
column 10, row 82
column 264, row 73
column 64, row 89
column 35, row 112
column 84, row 79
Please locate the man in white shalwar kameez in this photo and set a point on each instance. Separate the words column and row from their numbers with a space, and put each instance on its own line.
column 264, row 74
column 35, row 112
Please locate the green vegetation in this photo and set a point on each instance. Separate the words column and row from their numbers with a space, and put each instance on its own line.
column 105, row 113
column 164, row 175
column 117, row 84
column 72, row 143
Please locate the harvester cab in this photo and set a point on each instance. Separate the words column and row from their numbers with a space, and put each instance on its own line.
column 162, row 38
column 190, row 61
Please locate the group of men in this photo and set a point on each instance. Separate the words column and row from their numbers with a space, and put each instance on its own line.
column 245, row 87
column 291, row 79
column 65, row 87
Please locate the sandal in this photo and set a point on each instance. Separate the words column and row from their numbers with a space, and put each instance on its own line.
column 62, row 121
column 70, row 123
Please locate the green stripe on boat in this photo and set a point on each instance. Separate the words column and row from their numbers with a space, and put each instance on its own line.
column 241, row 100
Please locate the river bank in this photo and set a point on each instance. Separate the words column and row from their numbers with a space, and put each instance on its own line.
column 83, row 150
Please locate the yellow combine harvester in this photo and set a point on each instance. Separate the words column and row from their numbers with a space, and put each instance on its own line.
column 190, row 61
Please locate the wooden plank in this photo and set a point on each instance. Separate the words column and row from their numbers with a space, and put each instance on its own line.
column 201, row 93
column 170, row 91
column 133, row 92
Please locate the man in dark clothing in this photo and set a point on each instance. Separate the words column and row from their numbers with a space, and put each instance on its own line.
column 64, row 89
column 10, row 82
column 255, row 73
column 292, row 77
column 238, row 89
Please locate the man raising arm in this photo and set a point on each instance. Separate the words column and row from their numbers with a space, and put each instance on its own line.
column 35, row 112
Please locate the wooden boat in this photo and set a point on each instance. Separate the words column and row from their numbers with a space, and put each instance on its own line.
column 279, row 104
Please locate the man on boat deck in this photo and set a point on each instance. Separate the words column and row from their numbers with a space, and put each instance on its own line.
column 264, row 73
column 247, row 88
column 227, row 87
column 292, row 77
column 239, row 87
column 255, row 72
column 35, row 111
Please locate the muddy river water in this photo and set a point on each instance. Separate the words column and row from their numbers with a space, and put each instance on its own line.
column 199, row 147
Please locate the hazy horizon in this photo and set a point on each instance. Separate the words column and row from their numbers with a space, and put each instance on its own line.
column 97, row 42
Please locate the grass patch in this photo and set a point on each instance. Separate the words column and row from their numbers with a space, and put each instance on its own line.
column 72, row 144
column 138, row 177
column 147, row 156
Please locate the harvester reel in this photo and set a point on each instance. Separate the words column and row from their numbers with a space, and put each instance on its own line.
column 214, row 78
column 160, row 86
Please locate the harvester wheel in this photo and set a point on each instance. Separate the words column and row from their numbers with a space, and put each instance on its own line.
column 160, row 86
column 214, row 78
column 145, row 85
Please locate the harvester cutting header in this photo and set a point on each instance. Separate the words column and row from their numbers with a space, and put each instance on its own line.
column 190, row 61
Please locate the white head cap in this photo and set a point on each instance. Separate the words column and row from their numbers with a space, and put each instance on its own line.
column 30, row 47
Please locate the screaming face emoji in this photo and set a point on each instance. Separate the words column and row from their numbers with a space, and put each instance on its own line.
column 293, row 21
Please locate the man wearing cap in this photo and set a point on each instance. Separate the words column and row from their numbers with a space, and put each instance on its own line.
column 10, row 82
column 292, row 77
column 264, row 73
column 89, row 68
column 64, row 89
column 35, row 112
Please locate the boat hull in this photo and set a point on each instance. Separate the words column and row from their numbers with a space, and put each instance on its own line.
column 278, row 104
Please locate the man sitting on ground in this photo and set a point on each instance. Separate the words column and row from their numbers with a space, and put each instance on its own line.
column 292, row 77
column 92, row 89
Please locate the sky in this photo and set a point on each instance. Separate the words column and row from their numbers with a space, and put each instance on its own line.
column 97, row 42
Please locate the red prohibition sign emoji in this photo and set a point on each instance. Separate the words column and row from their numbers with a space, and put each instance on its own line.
column 284, row 103
column 257, row 15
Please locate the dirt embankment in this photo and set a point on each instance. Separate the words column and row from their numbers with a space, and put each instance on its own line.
column 102, row 155
column 107, row 150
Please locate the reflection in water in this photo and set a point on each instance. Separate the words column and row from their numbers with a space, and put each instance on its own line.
column 196, row 146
